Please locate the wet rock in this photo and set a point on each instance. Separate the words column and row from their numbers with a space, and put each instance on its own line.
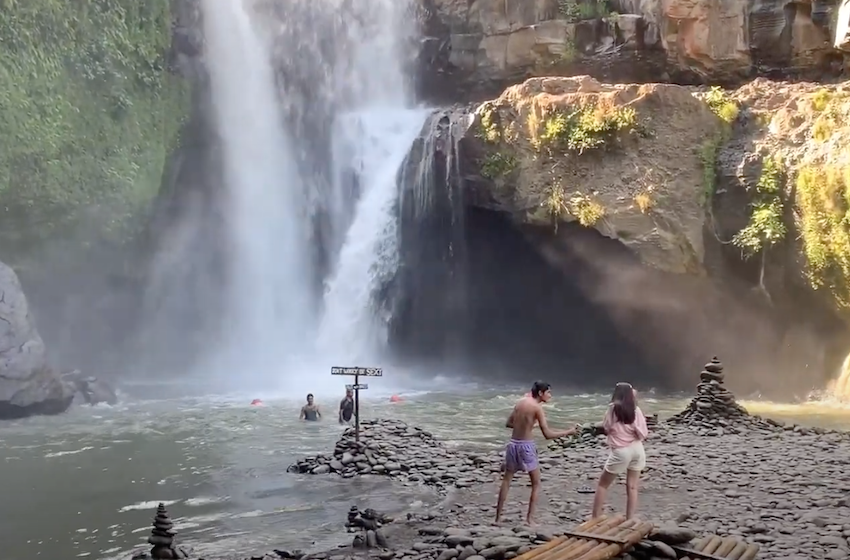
column 91, row 390
column 394, row 449
column 28, row 385
column 715, row 406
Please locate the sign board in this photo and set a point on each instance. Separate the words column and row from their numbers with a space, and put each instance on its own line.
column 358, row 387
column 364, row 371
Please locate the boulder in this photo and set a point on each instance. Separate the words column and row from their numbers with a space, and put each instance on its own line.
column 28, row 385
column 90, row 389
column 622, row 159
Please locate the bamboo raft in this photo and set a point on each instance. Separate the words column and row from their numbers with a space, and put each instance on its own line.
column 713, row 547
column 600, row 538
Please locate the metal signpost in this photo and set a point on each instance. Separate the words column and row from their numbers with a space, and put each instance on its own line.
column 357, row 372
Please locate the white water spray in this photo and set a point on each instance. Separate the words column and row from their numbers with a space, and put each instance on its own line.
column 268, row 311
column 351, row 329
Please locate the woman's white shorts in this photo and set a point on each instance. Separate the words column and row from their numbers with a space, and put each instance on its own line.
column 631, row 458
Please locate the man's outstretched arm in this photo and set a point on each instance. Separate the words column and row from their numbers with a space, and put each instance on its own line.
column 549, row 433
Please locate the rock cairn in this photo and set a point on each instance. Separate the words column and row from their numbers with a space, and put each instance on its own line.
column 162, row 539
column 392, row 448
column 713, row 402
column 367, row 524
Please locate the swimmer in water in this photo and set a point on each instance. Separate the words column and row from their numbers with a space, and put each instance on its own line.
column 521, row 452
column 346, row 407
column 310, row 411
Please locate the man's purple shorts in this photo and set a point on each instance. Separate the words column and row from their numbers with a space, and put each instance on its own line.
column 521, row 456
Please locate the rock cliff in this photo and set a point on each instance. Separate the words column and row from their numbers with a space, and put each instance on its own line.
column 27, row 383
column 481, row 44
column 751, row 183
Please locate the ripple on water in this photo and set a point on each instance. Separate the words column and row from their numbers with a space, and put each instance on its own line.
column 148, row 505
column 223, row 462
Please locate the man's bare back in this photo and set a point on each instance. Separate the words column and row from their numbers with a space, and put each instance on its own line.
column 526, row 414
column 521, row 453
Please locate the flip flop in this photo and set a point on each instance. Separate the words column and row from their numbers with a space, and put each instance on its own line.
column 585, row 490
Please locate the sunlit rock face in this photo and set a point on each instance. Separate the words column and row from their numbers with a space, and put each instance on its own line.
column 486, row 44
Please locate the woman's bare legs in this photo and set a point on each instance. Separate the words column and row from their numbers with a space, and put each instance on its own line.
column 632, row 482
column 605, row 481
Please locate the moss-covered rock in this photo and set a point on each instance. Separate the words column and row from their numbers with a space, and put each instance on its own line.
column 623, row 159
column 798, row 196
column 89, row 112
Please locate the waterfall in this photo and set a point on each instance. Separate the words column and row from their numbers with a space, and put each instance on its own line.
column 352, row 328
column 430, row 309
column 839, row 390
column 297, row 236
column 268, row 297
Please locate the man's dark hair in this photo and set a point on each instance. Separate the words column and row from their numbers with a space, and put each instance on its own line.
column 309, row 395
column 539, row 388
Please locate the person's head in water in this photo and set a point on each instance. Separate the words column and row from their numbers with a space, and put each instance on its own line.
column 349, row 393
column 624, row 402
column 541, row 391
column 310, row 399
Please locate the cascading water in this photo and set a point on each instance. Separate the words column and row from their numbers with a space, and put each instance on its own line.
column 268, row 301
column 839, row 390
column 333, row 193
column 352, row 328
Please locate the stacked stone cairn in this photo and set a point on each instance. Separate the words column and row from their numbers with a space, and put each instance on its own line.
column 162, row 539
column 392, row 448
column 714, row 403
column 367, row 524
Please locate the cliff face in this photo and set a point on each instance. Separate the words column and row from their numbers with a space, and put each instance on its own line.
column 745, row 189
column 483, row 44
column 90, row 110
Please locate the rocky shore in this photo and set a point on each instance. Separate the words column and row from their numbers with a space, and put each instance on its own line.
column 785, row 488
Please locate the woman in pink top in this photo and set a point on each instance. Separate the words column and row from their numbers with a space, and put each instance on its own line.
column 625, row 426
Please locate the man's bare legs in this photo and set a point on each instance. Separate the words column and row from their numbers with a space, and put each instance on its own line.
column 535, row 492
column 503, row 493
column 605, row 481
column 632, row 481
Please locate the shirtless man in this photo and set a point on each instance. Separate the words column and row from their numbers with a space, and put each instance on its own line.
column 521, row 453
column 310, row 411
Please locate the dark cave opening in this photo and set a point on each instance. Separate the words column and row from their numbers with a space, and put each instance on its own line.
column 479, row 294
column 501, row 312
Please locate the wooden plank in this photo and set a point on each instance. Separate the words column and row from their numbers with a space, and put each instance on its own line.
column 593, row 537
column 713, row 547
column 690, row 552
column 597, row 539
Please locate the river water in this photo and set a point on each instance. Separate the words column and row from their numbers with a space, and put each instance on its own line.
column 85, row 484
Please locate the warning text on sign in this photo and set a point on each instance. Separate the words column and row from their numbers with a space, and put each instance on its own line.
column 364, row 371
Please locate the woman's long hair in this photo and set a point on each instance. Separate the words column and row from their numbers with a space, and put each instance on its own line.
column 624, row 403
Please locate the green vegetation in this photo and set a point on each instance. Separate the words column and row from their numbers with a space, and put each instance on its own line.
column 577, row 10
column 824, row 126
column 583, row 208
column 722, row 105
column 708, row 157
column 644, row 201
column 488, row 127
column 586, row 128
column 823, row 211
column 765, row 227
column 88, row 111
column 821, row 99
column 498, row 165
column 586, row 210
column 727, row 110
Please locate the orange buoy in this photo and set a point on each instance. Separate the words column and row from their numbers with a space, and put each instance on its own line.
column 256, row 402
column 395, row 398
